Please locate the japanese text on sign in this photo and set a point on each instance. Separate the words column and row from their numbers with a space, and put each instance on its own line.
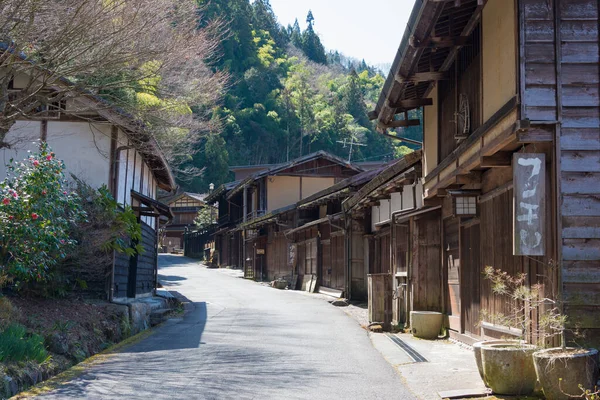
column 529, row 209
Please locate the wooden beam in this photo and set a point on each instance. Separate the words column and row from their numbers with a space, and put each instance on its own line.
column 534, row 135
column 501, row 159
column 412, row 103
column 402, row 139
column 424, row 77
column 372, row 115
column 470, row 178
column 438, row 42
column 403, row 123
column 457, row 3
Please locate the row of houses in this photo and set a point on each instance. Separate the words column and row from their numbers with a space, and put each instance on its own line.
column 508, row 176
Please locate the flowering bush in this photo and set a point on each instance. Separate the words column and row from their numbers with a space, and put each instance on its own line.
column 36, row 213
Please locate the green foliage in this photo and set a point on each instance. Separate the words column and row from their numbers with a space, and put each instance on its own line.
column 120, row 224
column 16, row 345
column 36, row 214
column 205, row 217
column 288, row 97
column 523, row 300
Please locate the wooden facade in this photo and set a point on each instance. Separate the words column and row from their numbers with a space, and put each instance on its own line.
column 530, row 77
column 185, row 207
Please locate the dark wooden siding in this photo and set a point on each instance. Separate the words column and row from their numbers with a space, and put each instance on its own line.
column 277, row 256
column 426, row 274
column 147, row 262
column 538, row 85
column 146, row 266
column 121, row 273
column 465, row 78
column 580, row 164
column 471, row 277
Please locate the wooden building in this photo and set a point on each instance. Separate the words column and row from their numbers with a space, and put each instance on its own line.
column 400, row 240
column 102, row 146
column 511, row 147
column 265, row 194
column 185, row 207
column 255, row 212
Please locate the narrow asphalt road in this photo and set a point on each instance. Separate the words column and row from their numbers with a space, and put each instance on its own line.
column 242, row 340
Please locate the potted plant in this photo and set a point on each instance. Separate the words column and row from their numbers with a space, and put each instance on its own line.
column 564, row 372
column 512, row 367
column 507, row 366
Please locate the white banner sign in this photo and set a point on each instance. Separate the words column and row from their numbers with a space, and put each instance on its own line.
column 529, row 180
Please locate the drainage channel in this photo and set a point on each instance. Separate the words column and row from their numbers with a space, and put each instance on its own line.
column 412, row 353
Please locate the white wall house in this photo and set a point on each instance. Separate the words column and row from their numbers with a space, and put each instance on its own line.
column 102, row 145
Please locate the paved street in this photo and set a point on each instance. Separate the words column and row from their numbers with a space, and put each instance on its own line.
column 245, row 341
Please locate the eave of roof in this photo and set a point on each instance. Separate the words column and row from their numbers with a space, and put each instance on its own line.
column 224, row 188
column 267, row 218
column 383, row 177
column 343, row 186
column 280, row 167
column 118, row 116
column 422, row 21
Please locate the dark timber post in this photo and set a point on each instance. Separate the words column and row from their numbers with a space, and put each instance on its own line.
column 133, row 266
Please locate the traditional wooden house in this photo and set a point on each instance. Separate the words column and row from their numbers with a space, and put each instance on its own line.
column 185, row 207
column 511, row 147
column 321, row 239
column 102, row 145
column 227, row 239
column 267, row 193
column 264, row 205
column 400, row 241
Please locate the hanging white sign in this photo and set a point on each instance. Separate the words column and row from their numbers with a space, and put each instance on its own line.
column 529, row 180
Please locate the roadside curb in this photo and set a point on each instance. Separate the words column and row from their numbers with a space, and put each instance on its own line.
column 80, row 368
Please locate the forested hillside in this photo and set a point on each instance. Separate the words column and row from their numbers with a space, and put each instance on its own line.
column 287, row 96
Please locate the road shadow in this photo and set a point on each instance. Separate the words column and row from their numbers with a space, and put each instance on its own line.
column 235, row 372
column 170, row 280
column 172, row 260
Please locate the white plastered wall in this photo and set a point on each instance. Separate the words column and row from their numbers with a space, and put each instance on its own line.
column 311, row 186
column 397, row 202
column 26, row 136
column 84, row 147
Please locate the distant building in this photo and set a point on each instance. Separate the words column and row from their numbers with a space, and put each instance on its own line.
column 185, row 207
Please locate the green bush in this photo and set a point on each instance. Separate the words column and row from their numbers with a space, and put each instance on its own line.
column 16, row 345
column 36, row 213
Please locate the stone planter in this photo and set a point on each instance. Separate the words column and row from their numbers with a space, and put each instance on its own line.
column 425, row 324
column 279, row 284
column 561, row 371
column 477, row 352
column 508, row 368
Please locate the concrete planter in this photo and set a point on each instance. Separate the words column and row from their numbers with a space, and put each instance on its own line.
column 477, row 352
column 425, row 324
column 561, row 371
column 508, row 368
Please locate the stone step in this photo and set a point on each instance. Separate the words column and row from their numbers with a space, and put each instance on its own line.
column 158, row 316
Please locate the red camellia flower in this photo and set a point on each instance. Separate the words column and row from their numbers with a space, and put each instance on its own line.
column 44, row 192
column 36, row 163
column 34, row 216
column 65, row 193
column 15, row 194
column 6, row 201
column 11, row 217
column 62, row 241
column 49, row 157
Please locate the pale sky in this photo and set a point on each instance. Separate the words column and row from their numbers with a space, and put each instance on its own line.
column 369, row 29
